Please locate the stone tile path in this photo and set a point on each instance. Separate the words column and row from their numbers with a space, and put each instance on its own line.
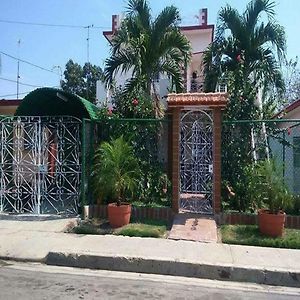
column 194, row 227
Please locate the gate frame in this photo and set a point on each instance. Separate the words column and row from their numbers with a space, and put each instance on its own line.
column 197, row 101
column 38, row 120
column 207, row 113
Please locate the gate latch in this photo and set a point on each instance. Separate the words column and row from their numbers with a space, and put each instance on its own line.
column 210, row 168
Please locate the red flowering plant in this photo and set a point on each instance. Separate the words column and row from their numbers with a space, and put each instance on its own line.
column 241, row 57
column 136, row 104
column 106, row 112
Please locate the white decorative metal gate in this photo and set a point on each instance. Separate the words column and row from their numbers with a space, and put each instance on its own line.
column 40, row 165
column 196, row 164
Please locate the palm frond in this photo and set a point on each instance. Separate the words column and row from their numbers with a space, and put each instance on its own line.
column 141, row 10
column 229, row 18
column 120, row 39
column 174, row 39
column 133, row 83
column 172, row 69
column 271, row 33
column 123, row 60
column 267, row 69
column 168, row 18
column 115, row 169
column 254, row 9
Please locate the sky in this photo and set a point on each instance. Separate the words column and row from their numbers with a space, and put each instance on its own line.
column 51, row 47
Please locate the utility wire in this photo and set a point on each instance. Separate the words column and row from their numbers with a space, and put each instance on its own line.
column 21, row 83
column 51, row 25
column 9, row 95
column 28, row 62
column 23, row 93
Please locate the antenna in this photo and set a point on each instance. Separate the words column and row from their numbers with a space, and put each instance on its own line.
column 18, row 69
column 88, row 58
column 88, row 41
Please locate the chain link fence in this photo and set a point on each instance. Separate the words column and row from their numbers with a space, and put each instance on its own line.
column 247, row 142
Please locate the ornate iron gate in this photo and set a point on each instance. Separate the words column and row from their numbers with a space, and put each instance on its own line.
column 196, row 165
column 40, row 165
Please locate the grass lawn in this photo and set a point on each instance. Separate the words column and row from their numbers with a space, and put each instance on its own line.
column 145, row 228
column 250, row 235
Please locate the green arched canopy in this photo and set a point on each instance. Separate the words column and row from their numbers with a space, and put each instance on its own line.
column 55, row 102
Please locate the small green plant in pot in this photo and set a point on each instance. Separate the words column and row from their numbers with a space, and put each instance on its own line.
column 116, row 173
column 270, row 196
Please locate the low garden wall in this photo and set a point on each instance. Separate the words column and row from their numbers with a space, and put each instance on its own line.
column 167, row 214
column 139, row 213
column 251, row 219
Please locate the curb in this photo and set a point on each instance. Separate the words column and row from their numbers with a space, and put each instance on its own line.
column 22, row 260
column 175, row 268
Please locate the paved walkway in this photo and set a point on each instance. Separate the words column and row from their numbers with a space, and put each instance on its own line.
column 30, row 223
column 149, row 255
column 191, row 227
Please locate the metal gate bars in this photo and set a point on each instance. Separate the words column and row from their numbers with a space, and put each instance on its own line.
column 196, row 164
column 40, row 165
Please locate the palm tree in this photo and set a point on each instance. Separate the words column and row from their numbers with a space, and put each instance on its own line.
column 246, row 53
column 148, row 47
column 245, row 40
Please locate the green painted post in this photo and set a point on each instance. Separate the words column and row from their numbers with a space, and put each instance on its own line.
column 91, row 150
column 283, row 154
column 83, row 163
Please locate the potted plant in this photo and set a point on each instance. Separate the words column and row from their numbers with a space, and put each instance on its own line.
column 271, row 196
column 116, row 173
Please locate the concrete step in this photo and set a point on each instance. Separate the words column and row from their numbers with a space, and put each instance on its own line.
column 194, row 227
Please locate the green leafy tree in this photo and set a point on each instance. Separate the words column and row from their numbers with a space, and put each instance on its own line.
column 82, row 80
column 292, row 80
column 246, row 54
column 148, row 47
column 246, row 49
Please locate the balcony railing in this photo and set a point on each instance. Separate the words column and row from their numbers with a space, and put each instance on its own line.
column 197, row 86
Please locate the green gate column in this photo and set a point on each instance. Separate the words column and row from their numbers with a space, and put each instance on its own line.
column 175, row 158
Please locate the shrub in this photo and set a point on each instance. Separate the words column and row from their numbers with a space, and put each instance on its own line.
column 116, row 169
column 266, row 187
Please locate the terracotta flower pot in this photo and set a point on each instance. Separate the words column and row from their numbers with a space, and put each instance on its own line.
column 271, row 224
column 119, row 216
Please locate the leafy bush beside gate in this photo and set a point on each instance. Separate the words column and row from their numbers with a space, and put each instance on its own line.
column 244, row 143
column 149, row 138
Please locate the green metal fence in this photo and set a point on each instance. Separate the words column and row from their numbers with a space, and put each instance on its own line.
column 246, row 142
column 150, row 140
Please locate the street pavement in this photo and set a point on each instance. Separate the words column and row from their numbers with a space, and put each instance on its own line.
column 32, row 281
column 44, row 242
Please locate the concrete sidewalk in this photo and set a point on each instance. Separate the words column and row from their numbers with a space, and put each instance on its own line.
column 148, row 255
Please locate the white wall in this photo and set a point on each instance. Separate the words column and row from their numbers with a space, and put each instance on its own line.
column 199, row 39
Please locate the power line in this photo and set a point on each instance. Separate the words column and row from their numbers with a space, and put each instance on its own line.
column 28, row 62
column 23, row 93
column 9, row 95
column 51, row 25
column 21, row 83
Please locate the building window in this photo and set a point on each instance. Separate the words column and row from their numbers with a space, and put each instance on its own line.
column 221, row 88
column 296, row 151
